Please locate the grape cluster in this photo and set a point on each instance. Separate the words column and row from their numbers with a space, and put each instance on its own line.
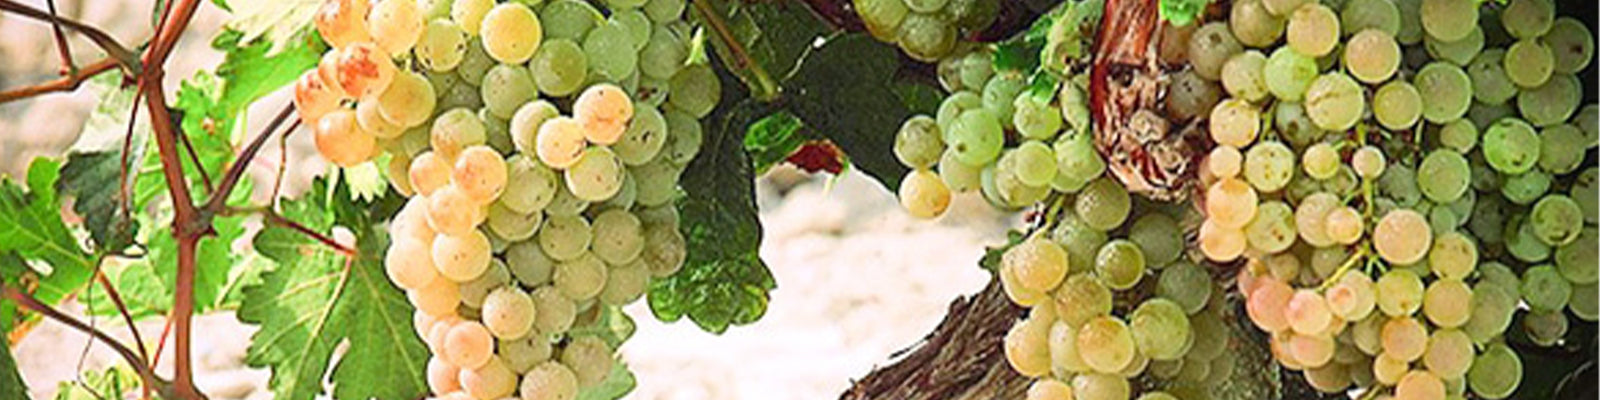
column 927, row 30
column 1112, row 297
column 1014, row 138
column 540, row 144
column 1381, row 234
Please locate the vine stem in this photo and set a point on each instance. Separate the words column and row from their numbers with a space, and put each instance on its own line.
column 146, row 373
column 100, row 38
column 67, row 83
column 741, row 59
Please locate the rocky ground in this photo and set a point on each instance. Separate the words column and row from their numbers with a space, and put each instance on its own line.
column 858, row 278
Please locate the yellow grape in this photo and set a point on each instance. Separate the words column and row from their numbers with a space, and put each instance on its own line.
column 442, row 375
column 1019, row 294
column 468, row 345
column 1106, row 344
column 340, row 141
column 437, row 298
column 1447, row 303
column 1049, row 389
column 1404, row 339
column 372, row 121
column 462, row 258
column 313, row 98
column 399, row 173
column 549, row 381
column 480, row 173
column 451, row 212
column 493, row 380
column 469, row 14
column 511, row 33
column 923, row 194
column 408, row 101
column 1231, row 203
column 1352, row 298
column 395, row 25
column 582, row 278
column 1063, row 343
column 363, row 70
column 1388, row 370
column 1234, row 122
column 1027, row 347
column 328, row 70
column 1311, row 217
column 590, row 359
column 1039, row 264
column 508, row 312
column 1450, row 353
column 341, row 22
column 1267, row 302
column 411, row 223
column 555, row 311
column 1311, row 351
column 428, row 173
column 409, row 264
column 604, row 110
column 1225, row 161
column 1419, row 385
column 1308, row 313
column 560, row 142
column 1402, row 237
column 1344, row 225
column 1220, row 243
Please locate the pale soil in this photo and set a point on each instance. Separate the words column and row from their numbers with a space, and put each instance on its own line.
column 858, row 278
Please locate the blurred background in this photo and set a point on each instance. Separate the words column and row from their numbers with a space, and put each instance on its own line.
column 858, row 279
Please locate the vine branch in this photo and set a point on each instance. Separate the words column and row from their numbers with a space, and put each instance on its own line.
column 139, row 365
column 100, row 38
column 67, row 83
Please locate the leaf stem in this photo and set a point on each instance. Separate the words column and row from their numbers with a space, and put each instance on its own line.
column 116, row 50
column 763, row 87
column 122, row 308
column 219, row 197
column 146, row 374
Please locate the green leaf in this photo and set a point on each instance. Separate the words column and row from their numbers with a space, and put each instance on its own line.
column 11, row 384
column 723, row 281
column 1182, row 12
column 93, row 180
column 772, row 139
column 847, row 91
column 254, row 69
column 144, row 293
column 214, row 261
column 761, row 42
column 617, row 384
column 213, row 145
column 366, row 180
column 31, row 226
column 317, row 299
column 114, row 382
column 278, row 21
column 610, row 324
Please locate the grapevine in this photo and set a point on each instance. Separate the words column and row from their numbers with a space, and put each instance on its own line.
column 1236, row 199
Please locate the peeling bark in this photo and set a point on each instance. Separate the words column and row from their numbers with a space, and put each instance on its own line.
column 961, row 359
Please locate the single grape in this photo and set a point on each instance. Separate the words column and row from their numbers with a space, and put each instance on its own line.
column 1529, row 63
column 1160, row 238
column 1273, row 228
column 1400, row 293
column 395, row 25
column 1449, row 20
column 1288, row 74
column 1553, row 102
column 1570, row 43
column 1313, row 30
column 1220, row 243
column 1397, row 105
column 1511, row 146
column 1027, row 347
column 1496, row 372
column 1160, row 329
column 1402, row 236
column 1080, row 298
column 1235, row 123
column 1336, row 102
column 923, row 194
column 1528, row 19
column 1104, row 204
column 1459, row 52
column 1372, row 55
column 1321, row 161
column 341, row 141
column 1210, row 47
column 1268, row 166
column 549, row 381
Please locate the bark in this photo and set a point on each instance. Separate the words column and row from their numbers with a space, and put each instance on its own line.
column 961, row 359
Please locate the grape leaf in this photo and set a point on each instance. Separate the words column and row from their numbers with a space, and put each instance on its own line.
column 1182, row 12
column 31, row 226
column 253, row 69
column 763, row 41
column 723, row 281
column 143, row 293
column 617, row 384
column 317, row 300
column 278, row 21
column 11, row 384
column 93, row 181
column 214, row 259
column 847, row 90
column 117, row 381
column 773, row 138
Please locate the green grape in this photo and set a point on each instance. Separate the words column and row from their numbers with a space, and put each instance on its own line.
column 1241, row 75
column 1397, row 105
column 1159, row 236
column 505, row 88
column 1585, row 302
column 1496, row 373
column 664, row 54
column 565, row 237
column 1448, row 90
column 1521, row 243
column 609, row 50
column 1099, row 386
column 1459, row 135
column 560, row 67
column 952, row 107
column 1449, row 20
column 644, row 138
column 1120, row 264
column 1399, row 293
column 926, row 37
column 1372, row 56
column 1571, row 43
column 1562, row 148
column 1551, row 103
column 618, row 237
column 1282, row 8
column 1545, row 328
column 1454, row 255
column 1524, row 189
column 1160, row 329
column 528, row 264
column 1447, row 303
column 658, row 182
column 1210, row 47
column 1492, row 306
column 1344, row 181
column 1511, row 146
column 1081, row 298
column 684, row 137
column 696, row 90
column 664, row 11
column 1529, row 63
column 1587, row 195
column 917, row 145
column 1034, row 118
column 1063, row 346
column 580, row 278
column 1556, row 220
column 1443, row 176
column 1410, row 31
column 975, row 69
column 976, row 137
column 1103, row 204
column 1313, row 30
column 1484, row 115
column 1321, row 161
column 511, row 225
column 1490, row 83
column 1399, row 183
column 1295, row 126
column 1034, row 163
column 882, row 17
column 442, row 45
column 569, row 19
column 1106, row 344
column 1544, row 289
column 1081, row 241
column 1577, row 260
column 1336, row 102
column 1188, row 96
column 1010, row 187
column 957, row 175
column 1253, row 25
column 1273, row 228
column 636, row 23
column 999, row 95
column 1185, row 284
column 1359, row 15
column 1528, row 19
column 1459, row 52
column 1077, row 159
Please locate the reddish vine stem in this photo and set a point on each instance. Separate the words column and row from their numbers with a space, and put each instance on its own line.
column 66, row 83
column 219, row 197
column 122, row 308
column 146, row 374
column 194, row 157
column 273, row 218
column 67, row 67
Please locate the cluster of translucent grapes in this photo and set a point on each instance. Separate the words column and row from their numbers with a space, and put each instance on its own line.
column 541, row 145
column 1112, row 295
column 965, row 147
column 926, row 30
column 1382, row 234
